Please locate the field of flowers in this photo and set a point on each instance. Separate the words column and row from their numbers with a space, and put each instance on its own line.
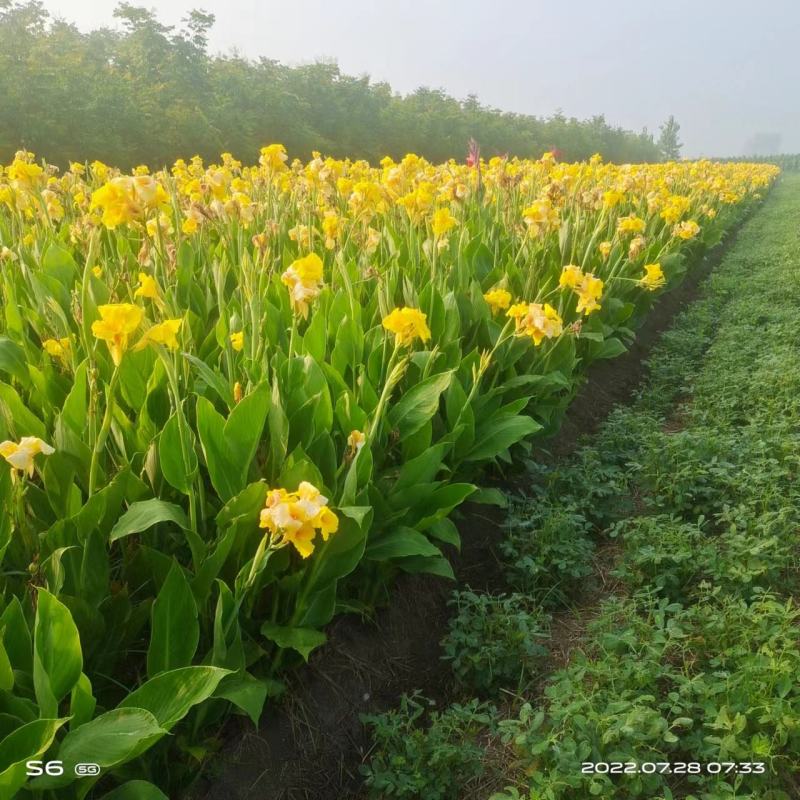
column 236, row 400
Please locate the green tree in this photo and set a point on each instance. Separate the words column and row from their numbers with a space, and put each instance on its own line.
column 668, row 142
column 151, row 93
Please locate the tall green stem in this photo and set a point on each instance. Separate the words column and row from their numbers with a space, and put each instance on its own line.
column 102, row 435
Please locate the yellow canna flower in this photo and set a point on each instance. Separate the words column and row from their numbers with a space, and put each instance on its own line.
column 686, row 230
column 303, row 278
column 571, row 277
column 237, row 341
column 58, row 348
column 97, row 271
column 331, row 228
column 630, row 224
column 612, row 197
column 327, row 522
column 117, row 322
column 356, row 440
column 24, row 174
column 165, row 333
column 296, row 517
column 407, row 324
column 589, row 292
column 118, row 201
column 273, row 157
column 541, row 217
column 148, row 287
column 535, row 320
column 498, row 299
column 653, row 277
column 604, row 248
column 20, row 455
column 442, row 222
column 636, row 246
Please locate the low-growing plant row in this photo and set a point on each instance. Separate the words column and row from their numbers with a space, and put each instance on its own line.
column 669, row 543
column 236, row 399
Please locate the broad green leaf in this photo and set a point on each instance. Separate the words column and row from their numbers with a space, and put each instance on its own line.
column 135, row 790
column 430, row 565
column 399, row 543
column 222, row 467
column 212, row 379
column 610, row 348
column 75, row 407
column 490, row 497
column 245, row 692
column 445, row 531
column 278, row 427
column 26, row 743
column 6, row 672
column 498, row 435
column 144, row 514
column 244, row 426
column 170, row 695
column 175, row 630
column 18, row 415
column 112, row 739
column 57, row 657
column 303, row 640
column 81, row 702
column 178, row 461
column 443, row 500
column 17, row 637
column 227, row 650
column 418, row 404
column 13, row 360
column 58, row 263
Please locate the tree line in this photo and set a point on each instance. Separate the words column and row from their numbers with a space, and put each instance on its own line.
column 150, row 93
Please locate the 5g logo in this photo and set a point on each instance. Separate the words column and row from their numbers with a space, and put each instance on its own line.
column 84, row 770
column 55, row 769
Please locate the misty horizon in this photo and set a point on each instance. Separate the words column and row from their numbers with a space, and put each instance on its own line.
column 633, row 64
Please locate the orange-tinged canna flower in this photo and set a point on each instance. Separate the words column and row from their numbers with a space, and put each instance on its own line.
column 296, row 517
column 407, row 324
column 535, row 320
column 117, row 322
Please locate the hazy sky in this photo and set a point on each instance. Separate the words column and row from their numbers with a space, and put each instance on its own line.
column 727, row 69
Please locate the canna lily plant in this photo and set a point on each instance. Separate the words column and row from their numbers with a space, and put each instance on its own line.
column 238, row 399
